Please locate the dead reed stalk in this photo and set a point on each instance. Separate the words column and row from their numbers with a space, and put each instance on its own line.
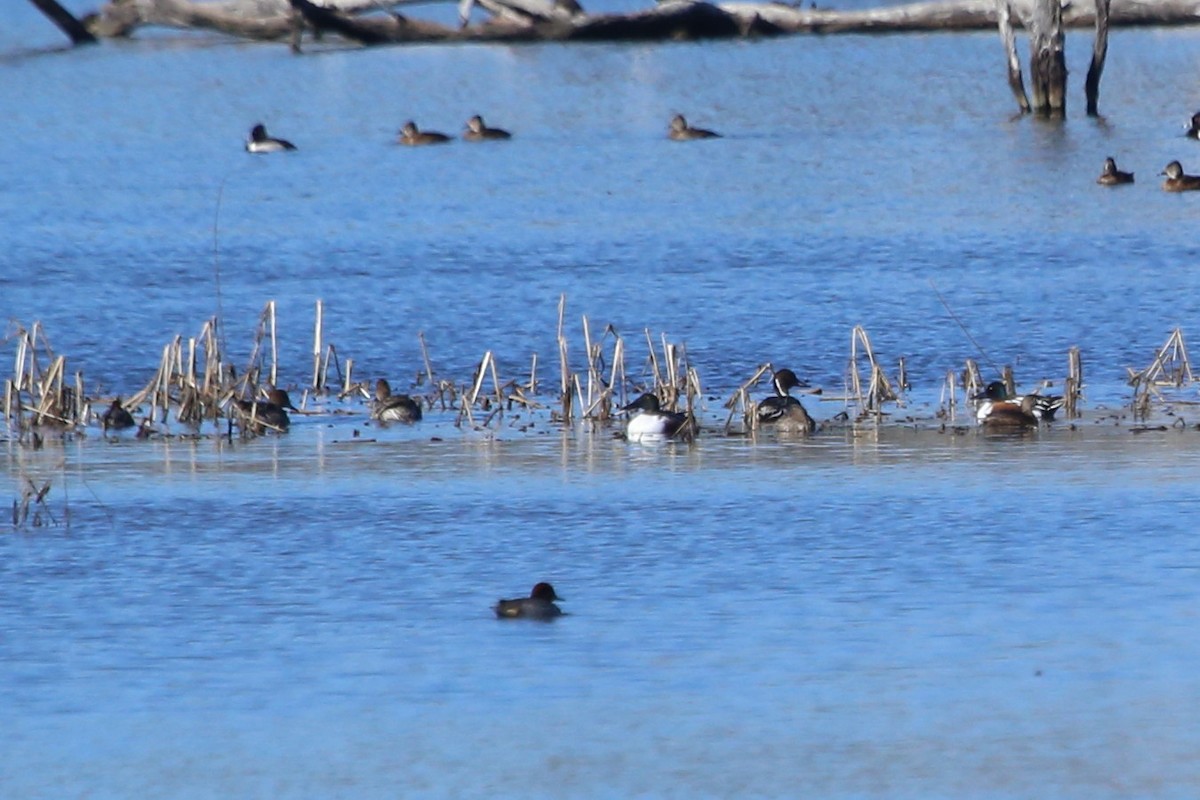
column 1073, row 388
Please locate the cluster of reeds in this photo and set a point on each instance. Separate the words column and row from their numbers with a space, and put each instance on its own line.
column 1171, row 367
column 195, row 384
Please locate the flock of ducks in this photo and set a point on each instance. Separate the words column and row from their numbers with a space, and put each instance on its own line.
column 648, row 422
column 1176, row 179
column 476, row 130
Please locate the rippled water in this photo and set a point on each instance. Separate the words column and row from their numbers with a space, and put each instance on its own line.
column 890, row 613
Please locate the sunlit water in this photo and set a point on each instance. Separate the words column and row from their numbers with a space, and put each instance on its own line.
column 883, row 614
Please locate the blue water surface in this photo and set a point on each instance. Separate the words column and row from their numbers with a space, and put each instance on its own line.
column 872, row 613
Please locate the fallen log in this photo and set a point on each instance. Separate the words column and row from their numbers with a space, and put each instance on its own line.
column 543, row 20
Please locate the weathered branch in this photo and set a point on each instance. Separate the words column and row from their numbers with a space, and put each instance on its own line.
column 72, row 27
column 1047, row 63
column 1015, row 82
column 1099, row 54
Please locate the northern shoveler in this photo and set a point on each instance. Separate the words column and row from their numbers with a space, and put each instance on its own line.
column 1177, row 181
column 1111, row 176
column 410, row 135
column 260, row 142
column 539, row 605
column 271, row 412
column 116, row 418
column 782, row 411
column 477, row 131
column 1000, row 409
column 680, row 131
column 394, row 407
column 651, row 424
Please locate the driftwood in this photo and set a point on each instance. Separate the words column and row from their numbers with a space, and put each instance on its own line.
column 543, row 20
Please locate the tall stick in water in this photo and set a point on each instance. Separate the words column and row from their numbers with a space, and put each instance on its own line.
column 316, row 380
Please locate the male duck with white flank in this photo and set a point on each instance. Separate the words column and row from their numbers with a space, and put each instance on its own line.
column 680, row 131
column 539, row 605
column 1111, row 176
column 1177, row 181
column 260, row 142
column 651, row 424
column 1193, row 131
column 394, row 407
column 412, row 136
column 477, row 131
column 781, row 411
column 999, row 409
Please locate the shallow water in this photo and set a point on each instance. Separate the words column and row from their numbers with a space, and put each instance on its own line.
column 874, row 613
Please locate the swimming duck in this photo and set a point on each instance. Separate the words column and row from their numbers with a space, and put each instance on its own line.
column 782, row 411
column 1193, row 131
column 539, row 605
column 116, row 417
column 271, row 412
column 394, row 407
column 260, row 142
column 680, row 131
column 651, row 424
column 1111, row 176
column 411, row 136
column 477, row 131
column 999, row 408
column 1177, row 181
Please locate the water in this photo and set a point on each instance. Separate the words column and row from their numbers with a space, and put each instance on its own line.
column 874, row 613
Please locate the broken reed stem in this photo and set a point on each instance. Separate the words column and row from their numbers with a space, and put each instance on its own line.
column 949, row 398
column 346, row 382
column 274, row 344
column 316, row 380
column 532, row 385
column 972, row 379
column 1074, row 383
column 565, row 383
column 425, row 357
column 591, row 362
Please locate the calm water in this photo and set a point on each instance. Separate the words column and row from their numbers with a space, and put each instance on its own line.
column 872, row 614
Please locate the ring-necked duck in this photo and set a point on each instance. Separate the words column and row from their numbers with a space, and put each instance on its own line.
column 1000, row 409
column 394, row 407
column 477, row 131
column 1111, row 176
column 1177, row 181
column 680, row 131
column 1193, row 130
column 652, row 424
column 260, row 142
column 116, row 417
column 782, row 411
column 412, row 136
column 539, row 605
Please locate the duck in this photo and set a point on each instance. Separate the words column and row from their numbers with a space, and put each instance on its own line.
column 782, row 411
column 1111, row 176
column 1177, row 181
column 539, row 605
column 271, row 412
column 412, row 136
column 680, row 131
column 260, row 142
column 477, row 131
column 999, row 408
column 116, row 417
column 651, row 424
column 394, row 407
column 1193, row 131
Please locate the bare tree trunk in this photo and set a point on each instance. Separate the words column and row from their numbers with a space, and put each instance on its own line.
column 1015, row 82
column 1099, row 53
column 63, row 19
column 1047, row 63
